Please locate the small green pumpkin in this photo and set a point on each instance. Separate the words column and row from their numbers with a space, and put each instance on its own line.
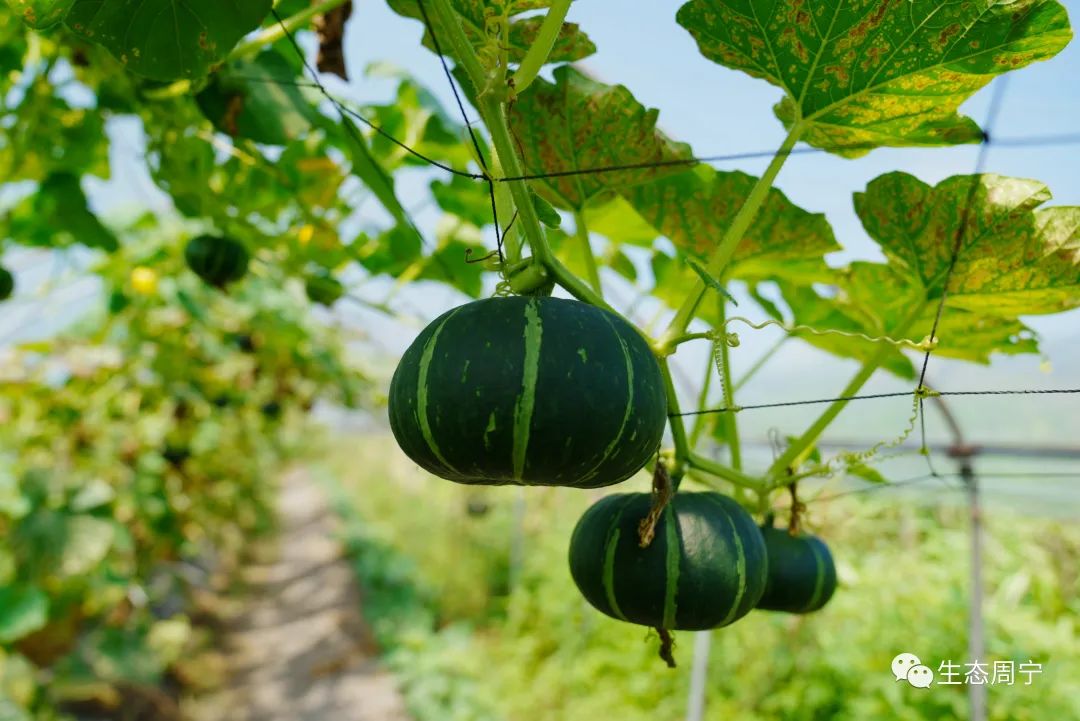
column 531, row 391
column 7, row 283
column 802, row 576
column 705, row 567
column 218, row 260
column 323, row 288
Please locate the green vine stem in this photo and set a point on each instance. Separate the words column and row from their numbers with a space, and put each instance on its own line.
column 732, row 476
column 678, row 427
column 733, row 235
column 731, row 426
column 541, row 46
column 276, row 32
column 581, row 232
column 703, row 399
column 779, row 471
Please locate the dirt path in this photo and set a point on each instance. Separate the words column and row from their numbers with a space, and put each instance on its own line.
column 298, row 650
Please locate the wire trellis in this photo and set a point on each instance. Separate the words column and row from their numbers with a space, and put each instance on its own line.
column 987, row 141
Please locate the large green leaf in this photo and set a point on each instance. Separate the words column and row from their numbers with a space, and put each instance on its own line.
column 40, row 14
column 882, row 295
column 580, row 124
column 23, row 610
column 694, row 209
column 809, row 308
column 873, row 299
column 167, row 39
column 1013, row 259
column 253, row 99
column 571, row 44
column 858, row 74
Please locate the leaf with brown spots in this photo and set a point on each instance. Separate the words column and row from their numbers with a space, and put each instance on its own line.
column 694, row 208
column 1014, row 258
column 580, row 124
column 167, row 39
column 40, row 14
column 860, row 74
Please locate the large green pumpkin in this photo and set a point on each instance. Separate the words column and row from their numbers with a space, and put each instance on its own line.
column 532, row 391
column 7, row 284
column 802, row 576
column 705, row 567
column 217, row 260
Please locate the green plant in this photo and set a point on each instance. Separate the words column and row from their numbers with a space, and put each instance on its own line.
column 239, row 143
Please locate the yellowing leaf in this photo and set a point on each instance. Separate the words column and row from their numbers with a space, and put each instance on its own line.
column 1013, row 259
column 858, row 74
column 693, row 209
column 580, row 124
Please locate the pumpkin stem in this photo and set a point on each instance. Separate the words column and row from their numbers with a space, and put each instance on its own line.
column 662, row 492
column 797, row 509
column 667, row 645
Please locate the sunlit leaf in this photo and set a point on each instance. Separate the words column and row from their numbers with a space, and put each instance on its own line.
column 858, row 74
column 694, row 209
column 40, row 14
column 580, row 124
column 885, row 296
column 167, row 39
column 1014, row 258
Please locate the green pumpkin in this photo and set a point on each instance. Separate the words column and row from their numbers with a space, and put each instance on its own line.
column 802, row 576
column 217, row 260
column 7, row 283
column 531, row 391
column 323, row 288
column 705, row 568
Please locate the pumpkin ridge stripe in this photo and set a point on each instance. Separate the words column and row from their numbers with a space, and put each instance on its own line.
column 629, row 405
column 523, row 408
column 422, row 392
column 740, row 564
column 609, row 560
column 671, row 588
column 819, row 575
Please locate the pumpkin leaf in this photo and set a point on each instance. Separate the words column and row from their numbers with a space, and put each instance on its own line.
column 810, row 308
column 1013, row 258
column 368, row 170
column 252, row 99
column 576, row 124
column 694, row 209
column 859, row 74
column 620, row 223
column 167, row 39
column 881, row 295
column 41, row 14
